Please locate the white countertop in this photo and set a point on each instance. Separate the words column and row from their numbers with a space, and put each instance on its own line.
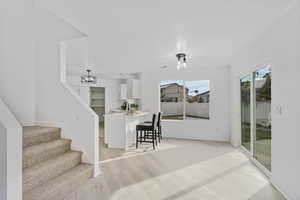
column 136, row 114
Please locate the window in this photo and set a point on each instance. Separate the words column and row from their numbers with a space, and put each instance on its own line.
column 184, row 100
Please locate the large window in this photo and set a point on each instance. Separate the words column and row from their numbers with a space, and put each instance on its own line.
column 184, row 100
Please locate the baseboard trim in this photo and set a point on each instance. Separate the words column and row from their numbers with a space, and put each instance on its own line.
column 280, row 190
column 97, row 172
column 196, row 139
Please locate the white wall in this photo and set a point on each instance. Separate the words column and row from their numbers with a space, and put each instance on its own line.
column 57, row 105
column 217, row 127
column 280, row 47
column 78, row 57
column 17, row 59
column 10, row 155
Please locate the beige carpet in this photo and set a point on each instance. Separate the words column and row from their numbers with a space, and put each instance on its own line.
column 51, row 170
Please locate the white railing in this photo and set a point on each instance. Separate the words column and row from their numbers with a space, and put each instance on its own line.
column 57, row 105
column 10, row 155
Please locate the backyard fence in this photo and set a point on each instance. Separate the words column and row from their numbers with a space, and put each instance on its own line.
column 263, row 111
column 200, row 110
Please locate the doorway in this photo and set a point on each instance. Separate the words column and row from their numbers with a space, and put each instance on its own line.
column 97, row 103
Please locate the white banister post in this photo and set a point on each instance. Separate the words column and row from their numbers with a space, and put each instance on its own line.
column 10, row 155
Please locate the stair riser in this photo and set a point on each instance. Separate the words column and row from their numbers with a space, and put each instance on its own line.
column 37, row 177
column 31, row 158
column 45, row 137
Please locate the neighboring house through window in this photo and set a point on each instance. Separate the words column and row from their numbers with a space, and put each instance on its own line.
column 184, row 100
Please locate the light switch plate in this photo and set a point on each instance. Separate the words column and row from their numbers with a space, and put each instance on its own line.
column 279, row 109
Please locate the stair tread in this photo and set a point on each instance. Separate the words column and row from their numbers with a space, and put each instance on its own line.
column 51, row 162
column 41, row 172
column 33, row 135
column 31, row 131
column 59, row 187
column 44, row 146
column 40, row 152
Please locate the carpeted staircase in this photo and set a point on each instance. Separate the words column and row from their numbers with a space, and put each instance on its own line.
column 51, row 170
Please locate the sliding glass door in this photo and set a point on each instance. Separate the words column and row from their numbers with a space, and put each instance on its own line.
column 256, row 123
column 262, row 143
column 245, row 111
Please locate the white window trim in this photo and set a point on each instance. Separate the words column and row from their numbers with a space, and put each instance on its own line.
column 184, row 104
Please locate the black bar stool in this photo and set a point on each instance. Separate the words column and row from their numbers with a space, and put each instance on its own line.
column 146, row 132
column 159, row 132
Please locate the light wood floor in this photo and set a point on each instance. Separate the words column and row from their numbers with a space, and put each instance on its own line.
column 178, row 170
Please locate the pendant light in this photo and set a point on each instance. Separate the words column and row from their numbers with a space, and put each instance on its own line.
column 88, row 78
column 181, row 61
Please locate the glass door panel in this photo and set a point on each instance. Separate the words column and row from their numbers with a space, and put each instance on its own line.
column 263, row 135
column 245, row 112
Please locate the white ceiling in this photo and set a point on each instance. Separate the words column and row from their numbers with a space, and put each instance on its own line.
column 134, row 35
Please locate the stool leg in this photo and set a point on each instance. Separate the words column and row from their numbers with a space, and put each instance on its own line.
column 137, row 140
column 155, row 133
column 141, row 136
column 153, row 140
column 158, row 135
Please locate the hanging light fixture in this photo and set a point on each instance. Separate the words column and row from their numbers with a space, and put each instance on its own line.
column 181, row 57
column 88, row 78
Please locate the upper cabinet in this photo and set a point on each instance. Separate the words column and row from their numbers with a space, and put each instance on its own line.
column 133, row 89
column 123, row 94
column 130, row 90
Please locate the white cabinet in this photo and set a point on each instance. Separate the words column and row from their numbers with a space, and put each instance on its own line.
column 115, row 130
column 120, row 129
column 123, row 94
column 133, row 89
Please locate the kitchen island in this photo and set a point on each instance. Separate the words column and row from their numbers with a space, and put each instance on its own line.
column 120, row 128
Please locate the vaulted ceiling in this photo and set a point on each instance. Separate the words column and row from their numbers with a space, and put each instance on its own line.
column 134, row 35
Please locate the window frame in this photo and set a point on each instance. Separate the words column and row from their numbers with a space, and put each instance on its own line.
column 184, row 100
